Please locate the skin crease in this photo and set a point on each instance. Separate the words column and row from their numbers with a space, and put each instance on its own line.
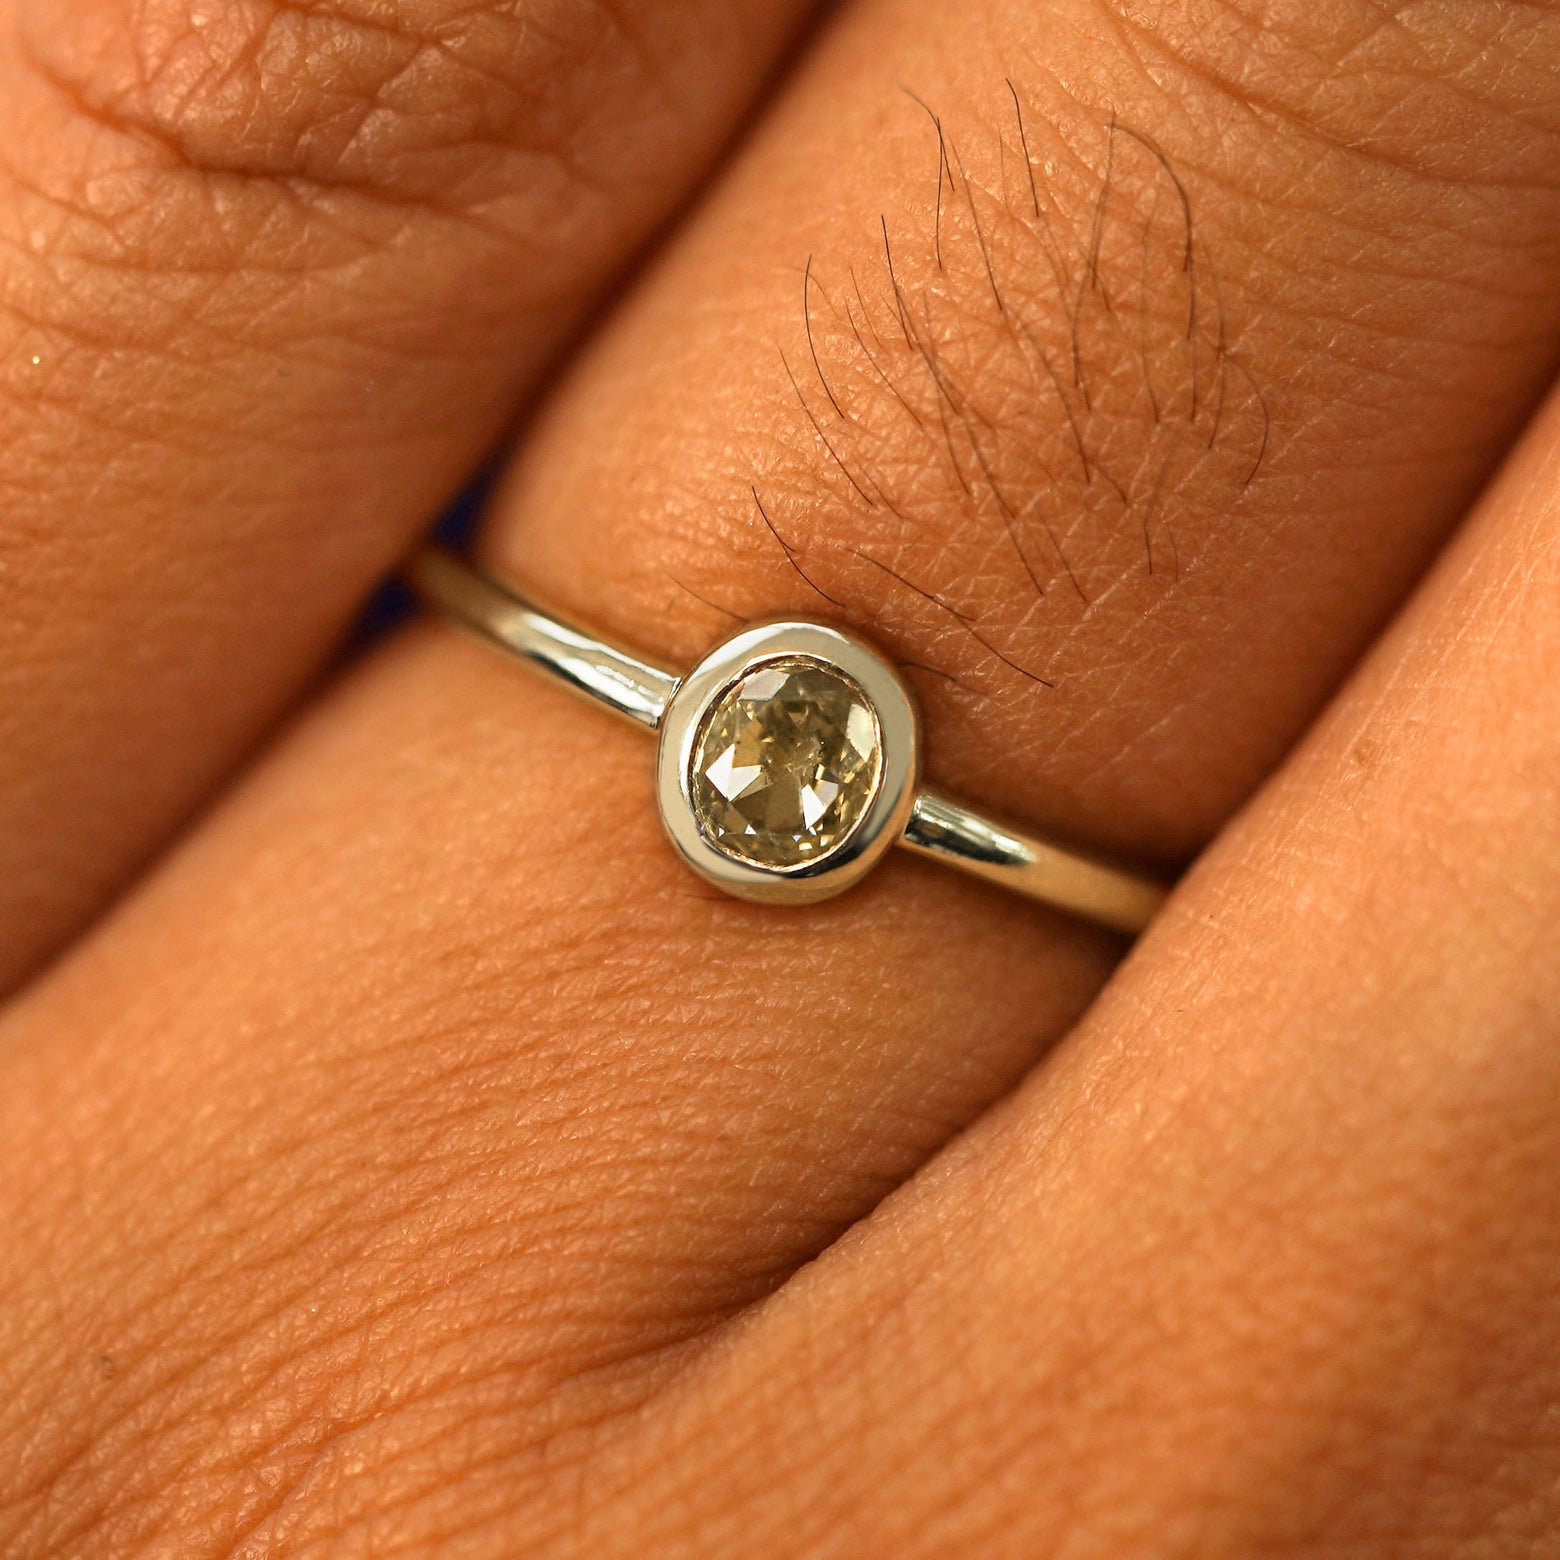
column 388, row 1175
column 330, row 256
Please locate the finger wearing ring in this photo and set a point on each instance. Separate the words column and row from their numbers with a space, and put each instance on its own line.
column 790, row 758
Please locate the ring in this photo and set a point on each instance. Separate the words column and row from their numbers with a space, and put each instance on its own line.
column 790, row 757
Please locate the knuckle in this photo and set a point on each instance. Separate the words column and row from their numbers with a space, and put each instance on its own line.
column 176, row 172
column 1441, row 89
column 400, row 100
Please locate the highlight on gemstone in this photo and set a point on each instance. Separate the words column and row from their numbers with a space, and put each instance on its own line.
column 786, row 764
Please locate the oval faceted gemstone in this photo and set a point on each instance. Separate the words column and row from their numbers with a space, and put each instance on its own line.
column 786, row 765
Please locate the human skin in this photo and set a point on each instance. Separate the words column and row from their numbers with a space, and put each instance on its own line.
column 417, row 1162
column 276, row 276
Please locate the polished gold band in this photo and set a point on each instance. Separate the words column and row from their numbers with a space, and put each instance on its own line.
column 886, row 804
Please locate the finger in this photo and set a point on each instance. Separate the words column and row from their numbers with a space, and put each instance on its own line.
column 1131, row 460
column 457, row 1011
column 328, row 1112
column 1263, row 1262
column 273, row 278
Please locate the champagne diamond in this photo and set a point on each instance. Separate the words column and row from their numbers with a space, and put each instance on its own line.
column 787, row 764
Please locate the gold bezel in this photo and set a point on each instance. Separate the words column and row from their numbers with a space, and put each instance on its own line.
column 899, row 767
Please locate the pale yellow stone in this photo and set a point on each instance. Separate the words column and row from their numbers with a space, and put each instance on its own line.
column 786, row 765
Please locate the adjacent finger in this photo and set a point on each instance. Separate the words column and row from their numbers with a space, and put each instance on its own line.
column 378, row 1099
column 1263, row 1262
column 271, row 279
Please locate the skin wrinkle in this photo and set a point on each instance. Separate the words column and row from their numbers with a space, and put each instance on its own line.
column 625, row 1378
column 199, row 127
column 644, row 1357
column 328, row 1429
column 189, row 326
column 1232, row 71
column 442, row 1117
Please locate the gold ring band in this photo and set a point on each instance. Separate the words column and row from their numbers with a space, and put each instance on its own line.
column 789, row 760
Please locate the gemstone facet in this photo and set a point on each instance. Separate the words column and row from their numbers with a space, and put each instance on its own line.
column 786, row 764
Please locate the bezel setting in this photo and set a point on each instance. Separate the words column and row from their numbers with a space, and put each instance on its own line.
column 886, row 813
column 786, row 760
